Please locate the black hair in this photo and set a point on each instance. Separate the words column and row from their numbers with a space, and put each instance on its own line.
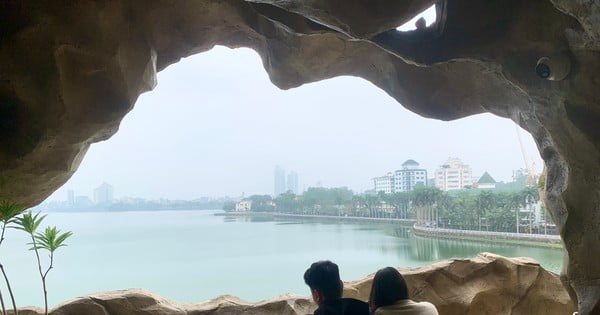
column 324, row 276
column 388, row 287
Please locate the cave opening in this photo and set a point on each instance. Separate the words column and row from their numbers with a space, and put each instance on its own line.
column 216, row 127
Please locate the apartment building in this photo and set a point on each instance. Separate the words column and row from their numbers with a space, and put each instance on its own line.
column 384, row 183
column 402, row 180
column 409, row 177
column 453, row 174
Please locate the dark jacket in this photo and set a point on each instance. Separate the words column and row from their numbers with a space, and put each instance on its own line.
column 343, row 307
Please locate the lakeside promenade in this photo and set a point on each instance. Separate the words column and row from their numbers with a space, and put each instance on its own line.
column 422, row 231
column 503, row 237
column 407, row 222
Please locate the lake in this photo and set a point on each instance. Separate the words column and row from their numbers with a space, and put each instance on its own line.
column 192, row 256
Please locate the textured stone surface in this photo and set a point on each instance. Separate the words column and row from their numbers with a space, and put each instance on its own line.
column 142, row 302
column 70, row 71
column 487, row 284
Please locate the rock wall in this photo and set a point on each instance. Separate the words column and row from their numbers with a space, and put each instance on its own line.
column 71, row 70
column 488, row 284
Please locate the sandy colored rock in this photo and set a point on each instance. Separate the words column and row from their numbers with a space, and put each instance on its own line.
column 71, row 71
column 142, row 302
column 27, row 311
column 488, row 284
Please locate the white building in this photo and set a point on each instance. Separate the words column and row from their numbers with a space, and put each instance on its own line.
column 384, row 183
column 409, row 177
column 243, row 205
column 453, row 174
column 403, row 180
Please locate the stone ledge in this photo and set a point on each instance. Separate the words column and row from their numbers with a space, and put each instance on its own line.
column 486, row 284
column 539, row 239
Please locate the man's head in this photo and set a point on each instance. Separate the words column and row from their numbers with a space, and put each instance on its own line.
column 323, row 278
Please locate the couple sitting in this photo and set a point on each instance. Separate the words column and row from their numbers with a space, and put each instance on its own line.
column 389, row 293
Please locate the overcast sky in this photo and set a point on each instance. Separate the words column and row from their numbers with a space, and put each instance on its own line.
column 216, row 126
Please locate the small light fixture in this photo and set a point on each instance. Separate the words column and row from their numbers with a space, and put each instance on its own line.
column 554, row 68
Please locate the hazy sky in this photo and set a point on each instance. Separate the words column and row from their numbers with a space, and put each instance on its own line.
column 216, row 126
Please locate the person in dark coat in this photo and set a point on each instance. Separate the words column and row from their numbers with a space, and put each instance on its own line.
column 323, row 278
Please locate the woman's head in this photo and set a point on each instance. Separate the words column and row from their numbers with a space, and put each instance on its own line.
column 388, row 287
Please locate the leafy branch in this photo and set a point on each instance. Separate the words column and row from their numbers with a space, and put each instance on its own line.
column 50, row 240
column 8, row 215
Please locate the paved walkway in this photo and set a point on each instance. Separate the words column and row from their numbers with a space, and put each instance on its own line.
column 451, row 233
column 350, row 218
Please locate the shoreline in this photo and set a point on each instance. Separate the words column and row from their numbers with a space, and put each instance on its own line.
column 403, row 222
column 537, row 240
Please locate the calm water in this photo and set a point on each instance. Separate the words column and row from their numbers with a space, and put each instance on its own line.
column 191, row 256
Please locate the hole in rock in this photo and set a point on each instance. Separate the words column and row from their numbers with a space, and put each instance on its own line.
column 213, row 131
column 421, row 20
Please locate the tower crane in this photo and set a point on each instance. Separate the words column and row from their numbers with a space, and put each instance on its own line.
column 529, row 168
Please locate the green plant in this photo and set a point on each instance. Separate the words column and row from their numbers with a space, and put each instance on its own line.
column 8, row 216
column 50, row 239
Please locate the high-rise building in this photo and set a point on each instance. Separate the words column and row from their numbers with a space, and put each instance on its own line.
column 453, row 174
column 384, row 183
column 279, row 181
column 292, row 182
column 409, row 177
column 103, row 194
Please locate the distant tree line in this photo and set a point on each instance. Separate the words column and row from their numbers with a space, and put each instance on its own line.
column 144, row 205
column 467, row 209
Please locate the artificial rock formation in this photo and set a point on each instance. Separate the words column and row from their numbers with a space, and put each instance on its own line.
column 70, row 71
column 487, row 284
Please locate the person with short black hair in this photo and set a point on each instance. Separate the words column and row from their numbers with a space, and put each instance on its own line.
column 389, row 296
column 326, row 287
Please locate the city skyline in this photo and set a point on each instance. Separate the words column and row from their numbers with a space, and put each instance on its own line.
column 283, row 183
column 220, row 126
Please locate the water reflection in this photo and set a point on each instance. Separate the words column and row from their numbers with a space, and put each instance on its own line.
column 394, row 240
column 428, row 249
column 425, row 249
column 247, row 218
column 401, row 232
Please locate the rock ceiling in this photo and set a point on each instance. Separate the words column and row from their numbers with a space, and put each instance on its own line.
column 70, row 71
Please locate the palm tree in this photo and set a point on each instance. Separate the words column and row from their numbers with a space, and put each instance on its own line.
column 485, row 201
column 424, row 199
column 51, row 239
column 8, row 213
column 465, row 206
column 444, row 203
column 399, row 201
column 513, row 202
column 529, row 196
column 383, row 200
column 371, row 202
